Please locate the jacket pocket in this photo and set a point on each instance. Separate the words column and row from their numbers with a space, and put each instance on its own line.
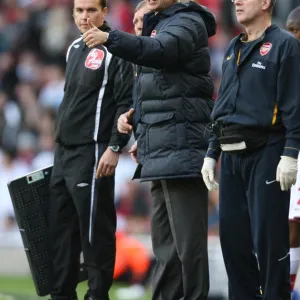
column 161, row 134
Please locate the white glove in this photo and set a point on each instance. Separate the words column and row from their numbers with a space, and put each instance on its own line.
column 286, row 172
column 208, row 173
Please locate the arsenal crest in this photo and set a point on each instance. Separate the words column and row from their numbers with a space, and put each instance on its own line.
column 265, row 49
column 94, row 59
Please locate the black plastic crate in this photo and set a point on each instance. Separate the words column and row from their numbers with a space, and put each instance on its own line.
column 30, row 196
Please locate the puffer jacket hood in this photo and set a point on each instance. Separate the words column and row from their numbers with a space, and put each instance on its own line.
column 208, row 17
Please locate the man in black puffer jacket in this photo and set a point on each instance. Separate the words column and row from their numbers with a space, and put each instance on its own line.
column 173, row 94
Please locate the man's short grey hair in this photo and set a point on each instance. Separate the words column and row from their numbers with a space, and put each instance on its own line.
column 140, row 5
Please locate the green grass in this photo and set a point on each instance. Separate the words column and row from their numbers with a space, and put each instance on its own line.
column 22, row 288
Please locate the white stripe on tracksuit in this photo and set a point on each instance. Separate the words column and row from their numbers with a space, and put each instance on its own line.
column 97, row 123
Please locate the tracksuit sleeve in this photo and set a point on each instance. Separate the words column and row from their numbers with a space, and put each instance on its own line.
column 214, row 149
column 289, row 96
column 121, row 76
column 174, row 43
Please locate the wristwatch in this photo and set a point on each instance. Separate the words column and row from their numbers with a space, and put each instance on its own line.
column 115, row 148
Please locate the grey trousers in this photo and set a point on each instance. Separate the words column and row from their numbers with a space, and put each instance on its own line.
column 179, row 239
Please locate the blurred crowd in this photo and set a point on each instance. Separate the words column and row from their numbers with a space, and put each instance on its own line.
column 34, row 38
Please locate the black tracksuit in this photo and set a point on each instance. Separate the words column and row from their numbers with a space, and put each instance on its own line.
column 259, row 104
column 82, row 214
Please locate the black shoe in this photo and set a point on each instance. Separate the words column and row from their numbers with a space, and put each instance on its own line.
column 89, row 297
column 63, row 298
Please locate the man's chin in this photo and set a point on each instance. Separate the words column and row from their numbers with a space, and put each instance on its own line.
column 152, row 5
column 83, row 29
column 242, row 21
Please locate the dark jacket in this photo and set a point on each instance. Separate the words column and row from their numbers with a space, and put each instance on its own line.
column 98, row 90
column 261, row 88
column 173, row 90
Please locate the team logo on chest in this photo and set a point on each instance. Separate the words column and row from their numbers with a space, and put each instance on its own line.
column 94, row 59
column 265, row 49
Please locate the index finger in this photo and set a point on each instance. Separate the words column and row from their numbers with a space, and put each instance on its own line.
column 99, row 170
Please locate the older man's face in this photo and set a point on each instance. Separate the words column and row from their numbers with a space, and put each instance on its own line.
column 249, row 10
column 138, row 19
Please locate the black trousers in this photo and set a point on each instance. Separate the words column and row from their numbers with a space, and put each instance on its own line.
column 82, row 218
column 254, row 229
column 179, row 239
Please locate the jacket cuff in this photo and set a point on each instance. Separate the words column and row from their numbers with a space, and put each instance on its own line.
column 111, row 38
column 214, row 150
column 291, row 148
column 119, row 140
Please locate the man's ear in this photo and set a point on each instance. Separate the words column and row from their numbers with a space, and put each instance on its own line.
column 266, row 4
column 104, row 11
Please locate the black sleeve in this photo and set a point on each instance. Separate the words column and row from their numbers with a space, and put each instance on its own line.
column 214, row 149
column 176, row 42
column 289, row 96
column 121, row 76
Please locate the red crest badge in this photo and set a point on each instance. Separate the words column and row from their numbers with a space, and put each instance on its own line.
column 265, row 48
column 94, row 59
column 153, row 33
